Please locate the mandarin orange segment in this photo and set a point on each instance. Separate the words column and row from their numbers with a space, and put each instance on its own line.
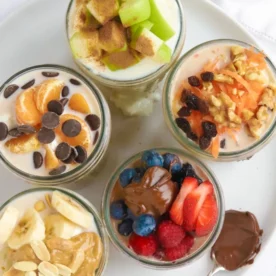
column 78, row 103
column 51, row 161
column 84, row 137
column 47, row 91
column 23, row 144
column 25, row 108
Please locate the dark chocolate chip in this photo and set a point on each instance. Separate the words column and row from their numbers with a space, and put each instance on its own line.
column 209, row 129
column 204, row 142
column 223, row 143
column 65, row 91
column 207, row 76
column 63, row 151
column 93, row 121
column 3, row 131
column 72, row 156
column 184, row 111
column 58, row 170
column 38, row 159
column 64, row 101
column 75, row 82
column 183, row 124
column 10, row 90
column 82, row 154
column 194, row 81
column 50, row 120
column 96, row 137
column 26, row 129
column 46, row 136
column 191, row 135
column 50, row 74
column 15, row 132
column 28, row 84
column 71, row 128
column 56, row 107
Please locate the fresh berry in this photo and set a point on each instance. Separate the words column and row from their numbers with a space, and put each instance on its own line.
column 118, row 210
column 126, row 176
column 194, row 81
column 193, row 203
column 169, row 234
column 207, row 216
column 144, row 225
column 139, row 174
column 176, row 212
column 159, row 254
column 187, row 170
column 145, row 246
column 172, row 162
column 209, row 129
column 130, row 214
column 189, row 240
column 125, row 227
column 151, row 158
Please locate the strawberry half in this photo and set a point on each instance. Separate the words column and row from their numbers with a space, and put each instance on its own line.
column 193, row 203
column 176, row 213
column 207, row 217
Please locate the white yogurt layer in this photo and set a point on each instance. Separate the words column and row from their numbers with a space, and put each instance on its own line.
column 24, row 161
column 146, row 66
column 193, row 65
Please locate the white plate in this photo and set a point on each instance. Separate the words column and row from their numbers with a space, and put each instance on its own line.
column 35, row 34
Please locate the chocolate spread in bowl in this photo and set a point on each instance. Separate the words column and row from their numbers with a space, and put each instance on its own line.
column 239, row 240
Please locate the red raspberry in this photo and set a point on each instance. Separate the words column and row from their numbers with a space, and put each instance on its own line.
column 145, row 246
column 181, row 250
column 170, row 234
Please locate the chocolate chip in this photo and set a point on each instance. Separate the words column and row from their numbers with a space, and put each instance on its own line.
column 96, row 137
column 28, row 84
column 46, row 136
column 63, row 151
column 10, row 90
column 15, row 132
column 71, row 128
column 184, row 111
column 26, row 129
column 75, row 82
column 56, row 107
column 223, row 143
column 65, row 91
column 50, row 74
column 194, row 81
column 3, row 131
column 72, row 156
column 207, row 76
column 50, row 120
column 204, row 142
column 183, row 124
column 58, row 170
column 64, row 101
column 38, row 159
column 93, row 121
column 82, row 154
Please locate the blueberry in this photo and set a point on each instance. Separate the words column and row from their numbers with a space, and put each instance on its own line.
column 151, row 158
column 172, row 162
column 125, row 227
column 130, row 214
column 126, row 176
column 118, row 209
column 144, row 225
column 139, row 174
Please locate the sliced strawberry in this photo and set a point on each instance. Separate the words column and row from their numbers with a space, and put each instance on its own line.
column 207, row 217
column 193, row 204
column 176, row 213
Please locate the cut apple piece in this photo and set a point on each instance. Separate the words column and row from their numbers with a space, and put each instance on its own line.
column 112, row 37
column 134, row 11
column 86, row 44
column 103, row 10
column 145, row 24
column 161, row 27
column 121, row 60
column 79, row 19
column 148, row 44
column 91, row 23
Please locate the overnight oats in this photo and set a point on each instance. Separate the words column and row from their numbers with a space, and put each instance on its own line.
column 126, row 46
column 163, row 208
column 220, row 100
column 54, row 125
column 47, row 231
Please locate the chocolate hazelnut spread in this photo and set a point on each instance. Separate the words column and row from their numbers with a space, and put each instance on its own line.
column 153, row 195
column 239, row 240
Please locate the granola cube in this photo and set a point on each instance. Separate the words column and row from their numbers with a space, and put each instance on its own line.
column 223, row 78
column 247, row 114
column 235, row 50
column 262, row 113
column 255, row 127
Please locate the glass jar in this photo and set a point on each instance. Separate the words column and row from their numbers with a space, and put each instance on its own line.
column 129, row 92
column 97, row 154
column 203, row 171
column 173, row 81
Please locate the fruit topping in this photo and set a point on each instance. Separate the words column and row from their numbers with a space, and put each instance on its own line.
column 63, row 151
column 38, row 159
column 59, row 170
column 93, row 121
column 144, row 225
column 207, row 76
column 50, row 120
column 56, row 107
column 194, row 81
column 26, row 129
column 9, row 90
column 184, row 111
column 65, row 91
column 152, row 158
column 3, row 131
column 51, row 162
column 45, row 136
column 145, row 24
column 71, row 128
column 205, row 142
column 209, row 129
column 118, row 210
column 172, row 162
column 145, row 246
column 183, row 124
column 49, row 74
column 126, row 176
column 78, row 103
column 40, row 206
column 23, row 144
column 28, row 84
column 81, row 154
column 125, row 227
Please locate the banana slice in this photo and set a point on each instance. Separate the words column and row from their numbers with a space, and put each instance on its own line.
column 29, row 228
column 7, row 223
column 71, row 209
column 58, row 226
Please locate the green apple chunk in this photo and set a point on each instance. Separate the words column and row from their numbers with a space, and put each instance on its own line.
column 90, row 21
column 121, row 60
column 161, row 27
column 145, row 24
column 134, row 11
column 103, row 10
column 86, row 44
column 148, row 44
